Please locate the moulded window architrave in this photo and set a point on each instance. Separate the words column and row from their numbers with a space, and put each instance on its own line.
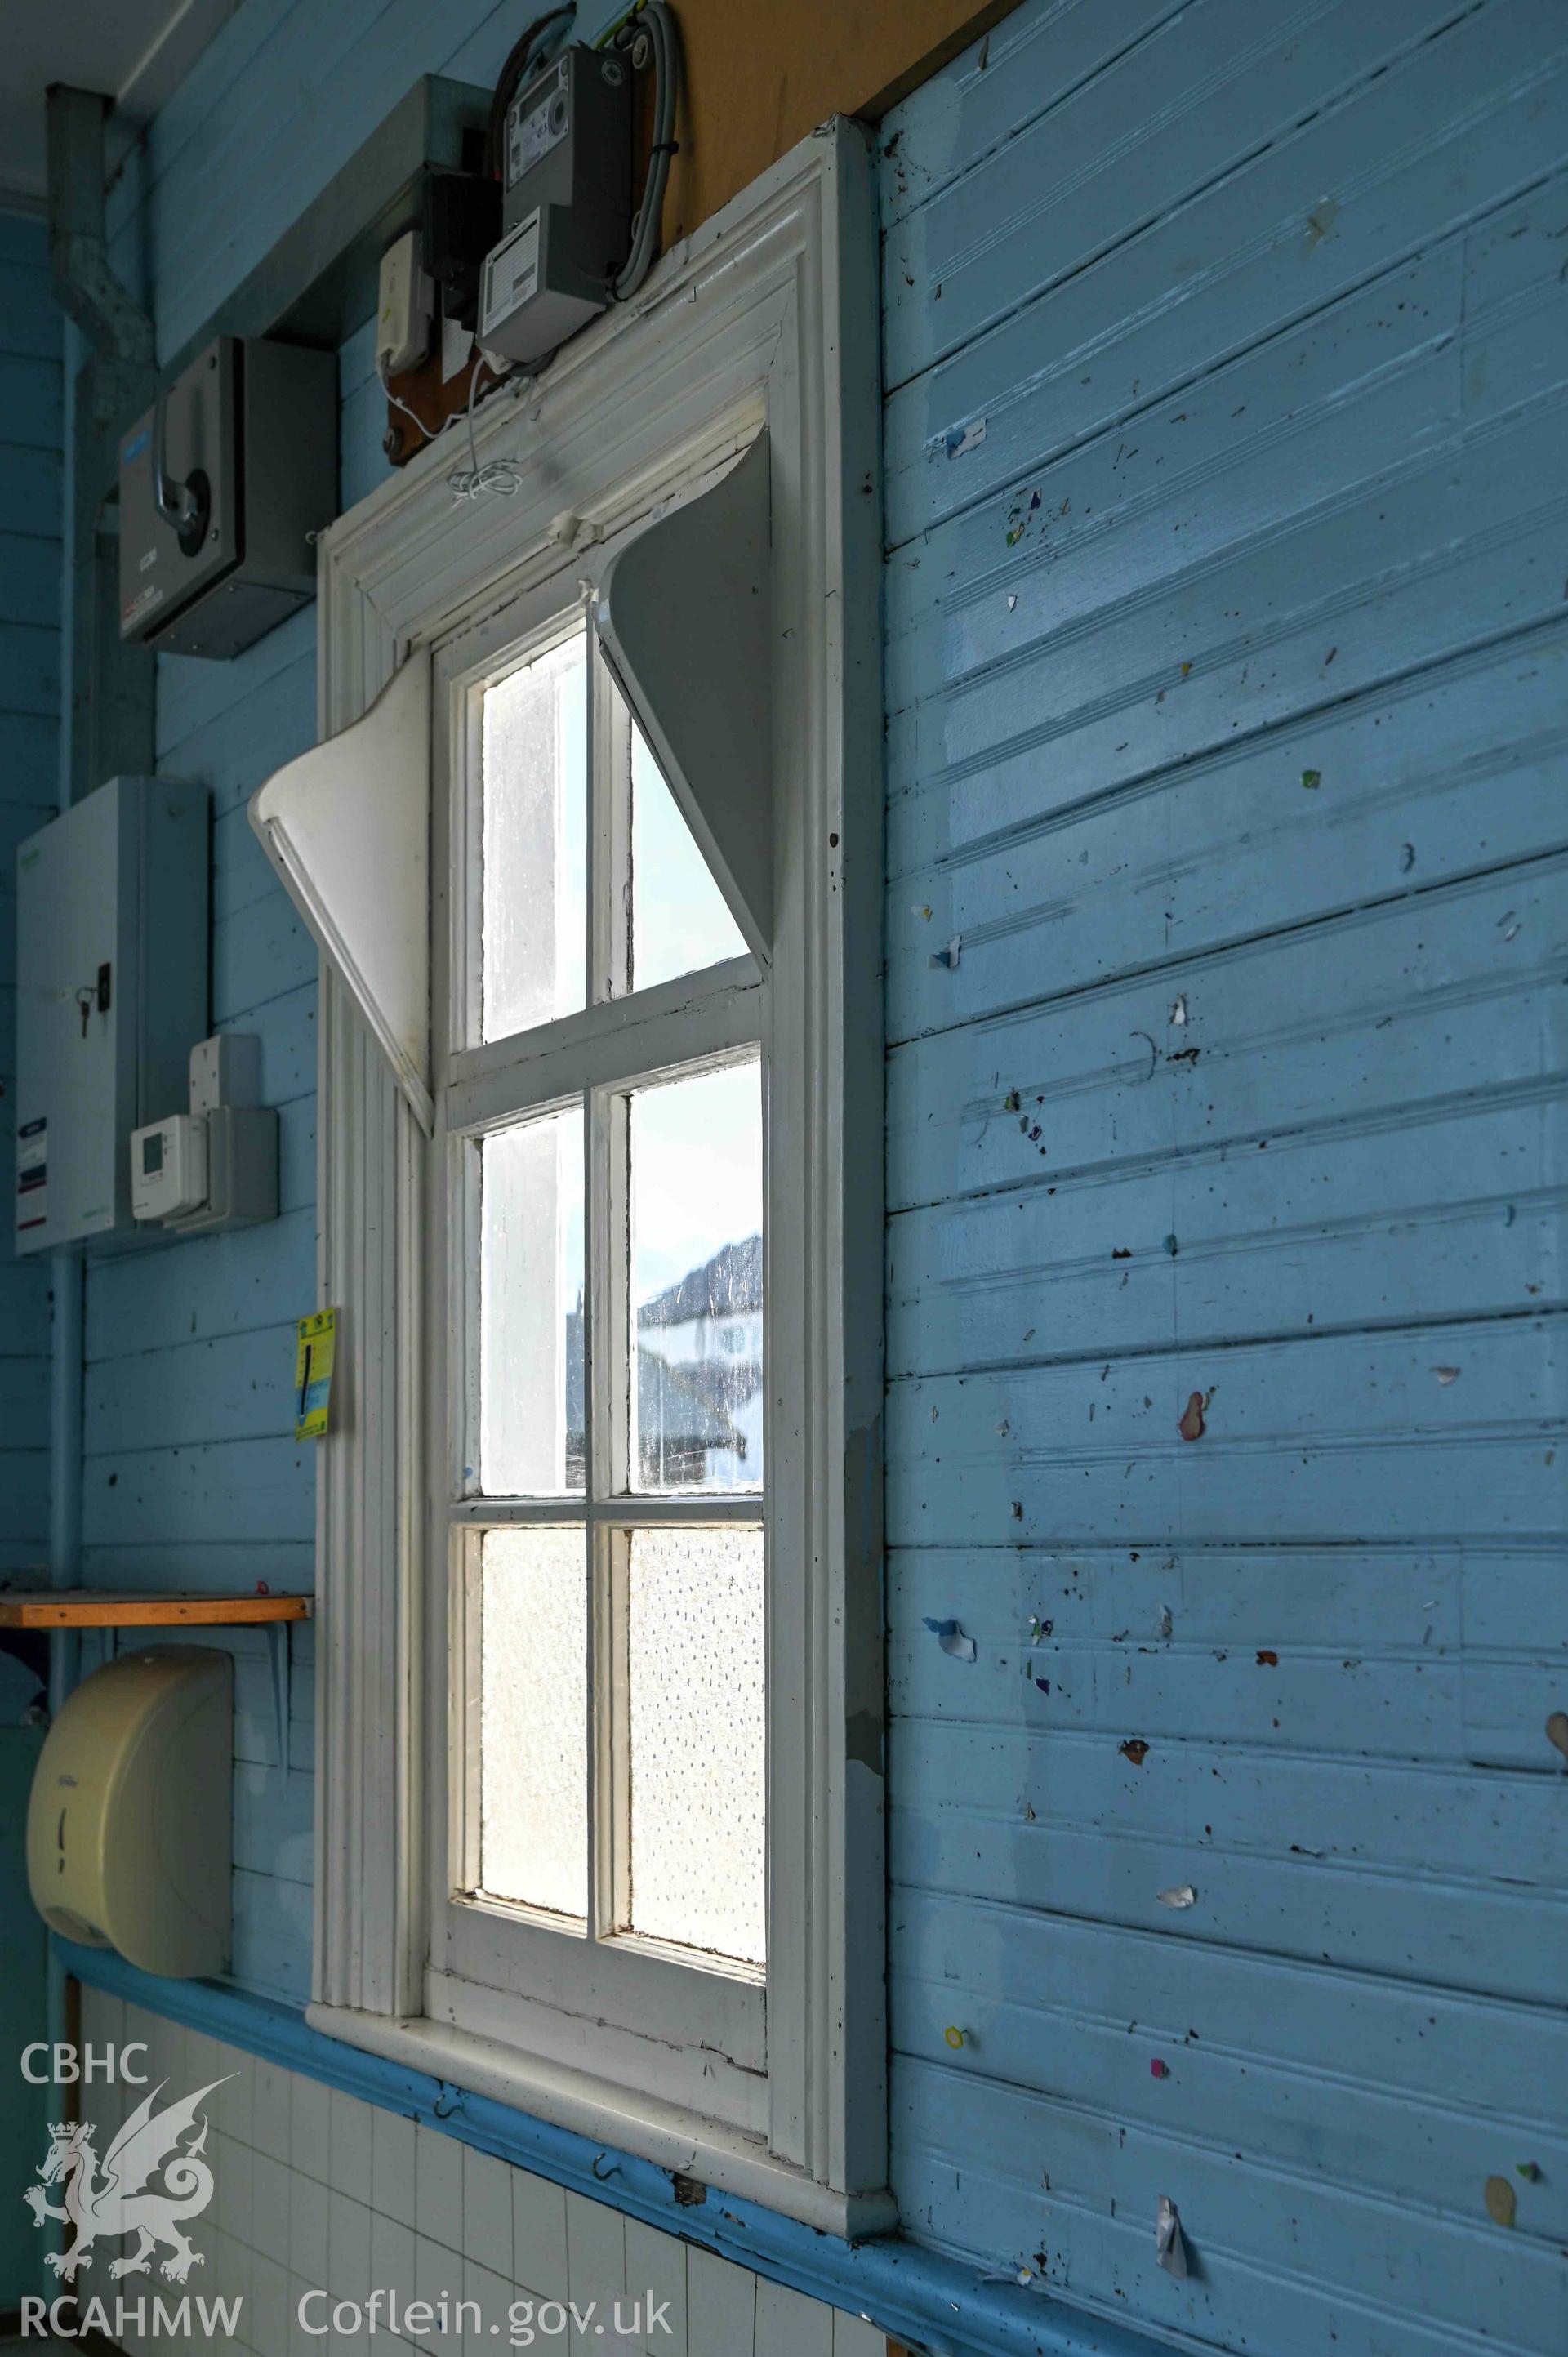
column 764, row 321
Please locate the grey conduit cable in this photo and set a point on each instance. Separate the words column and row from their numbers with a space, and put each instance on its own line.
column 655, row 25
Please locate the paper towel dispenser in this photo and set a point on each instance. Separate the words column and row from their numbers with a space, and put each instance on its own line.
column 128, row 1826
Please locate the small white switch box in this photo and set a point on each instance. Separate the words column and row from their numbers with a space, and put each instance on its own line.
column 168, row 1166
column 225, row 1071
column 405, row 307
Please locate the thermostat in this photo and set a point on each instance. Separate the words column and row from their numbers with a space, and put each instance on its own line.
column 215, row 1167
column 168, row 1166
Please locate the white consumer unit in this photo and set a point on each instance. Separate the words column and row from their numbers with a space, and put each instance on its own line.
column 112, row 900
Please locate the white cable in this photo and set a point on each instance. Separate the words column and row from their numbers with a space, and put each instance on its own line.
column 397, row 403
column 498, row 478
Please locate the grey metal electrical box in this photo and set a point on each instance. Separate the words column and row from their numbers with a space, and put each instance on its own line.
column 565, row 204
column 111, row 934
column 245, row 442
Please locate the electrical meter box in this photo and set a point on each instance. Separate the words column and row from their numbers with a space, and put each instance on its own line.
column 112, row 932
column 222, row 483
column 565, row 204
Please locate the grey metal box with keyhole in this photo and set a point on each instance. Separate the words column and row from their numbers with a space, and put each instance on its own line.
column 112, row 944
column 247, row 436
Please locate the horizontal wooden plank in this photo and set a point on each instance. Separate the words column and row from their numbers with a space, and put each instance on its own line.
column 234, row 1386
column 24, row 1301
column 992, row 1751
column 1328, row 2123
column 1421, row 2045
column 1034, row 61
column 1453, row 1214
column 1021, row 2180
column 272, row 1936
column 30, row 401
column 236, row 748
column 273, row 1822
column 204, row 1287
column 24, row 1396
column 1187, row 105
column 24, row 238
column 242, row 872
column 82, row 1609
column 24, row 1504
column 1355, row 1024
column 222, row 1568
column 29, row 763
column 1450, row 555
column 1450, row 1431
column 1399, row 1600
column 29, row 579
column 258, row 954
column 29, row 661
column 1253, row 447
column 30, row 488
column 192, row 694
column 31, row 321
column 1466, row 125
column 1416, row 786
column 206, row 1494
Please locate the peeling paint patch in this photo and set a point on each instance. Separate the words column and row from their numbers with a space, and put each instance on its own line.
column 1191, row 1425
column 959, row 440
column 952, row 1640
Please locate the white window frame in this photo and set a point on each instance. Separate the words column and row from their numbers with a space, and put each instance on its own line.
column 767, row 316
column 664, row 2023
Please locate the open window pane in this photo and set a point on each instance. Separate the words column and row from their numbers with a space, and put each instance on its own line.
column 696, row 1271
column 531, row 1309
column 679, row 919
column 696, row 1648
column 534, row 877
column 533, row 1777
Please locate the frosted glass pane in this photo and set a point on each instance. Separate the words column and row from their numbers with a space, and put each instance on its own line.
column 698, row 1747
column 534, row 891
column 534, row 1776
column 680, row 920
column 531, row 1309
column 696, row 1272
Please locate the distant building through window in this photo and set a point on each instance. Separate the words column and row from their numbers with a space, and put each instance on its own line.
column 698, row 1378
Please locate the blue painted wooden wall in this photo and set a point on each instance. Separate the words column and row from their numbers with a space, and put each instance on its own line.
column 1227, row 669
column 30, row 408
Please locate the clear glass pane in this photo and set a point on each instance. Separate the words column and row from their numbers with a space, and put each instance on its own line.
column 696, row 1282
column 696, row 1646
column 533, row 1732
column 534, row 880
column 680, row 920
column 531, row 1309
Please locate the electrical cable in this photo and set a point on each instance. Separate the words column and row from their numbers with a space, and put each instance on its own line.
column 498, row 478
column 654, row 24
column 429, row 432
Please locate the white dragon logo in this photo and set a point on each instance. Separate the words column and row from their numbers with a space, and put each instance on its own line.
column 121, row 2201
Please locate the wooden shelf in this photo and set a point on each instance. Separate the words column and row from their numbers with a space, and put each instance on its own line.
column 81, row 1608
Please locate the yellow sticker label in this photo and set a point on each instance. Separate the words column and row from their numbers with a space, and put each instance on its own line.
column 314, row 1357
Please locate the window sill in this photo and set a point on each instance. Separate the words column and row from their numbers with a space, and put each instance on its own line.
column 722, row 2157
